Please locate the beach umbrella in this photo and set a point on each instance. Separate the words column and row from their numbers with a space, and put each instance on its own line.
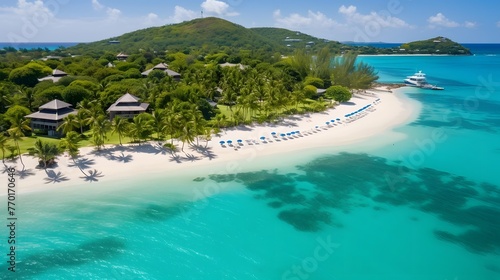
column 229, row 142
column 327, row 123
column 262, row 138
column 222, row 142
column 293, row 132
column 239, row 141
column 282, row 134
column 298, row 132
column 338, row 119
column 288, row 134
column 273, row 133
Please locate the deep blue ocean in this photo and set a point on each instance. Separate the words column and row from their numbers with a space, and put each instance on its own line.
column 35, row 45
column 425, row 206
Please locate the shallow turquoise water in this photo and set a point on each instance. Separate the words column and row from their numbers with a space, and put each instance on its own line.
column 426, row 207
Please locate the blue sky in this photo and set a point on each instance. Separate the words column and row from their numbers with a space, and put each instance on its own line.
column 398, row 21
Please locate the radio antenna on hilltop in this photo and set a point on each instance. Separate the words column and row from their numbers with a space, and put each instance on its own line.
column 201, row 13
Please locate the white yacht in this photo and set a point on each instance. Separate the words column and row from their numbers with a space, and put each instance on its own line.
column 418, row 80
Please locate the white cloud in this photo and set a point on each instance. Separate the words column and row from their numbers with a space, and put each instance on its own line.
column 348, row 25
column 218, row 8
column 470, row 24
column 113, row 14
column 312, row 19
column 182, row 14
column 348, row 11
column 151, row 19
column 440, row 20
column 383, row 20
column 26, row 21
column 96, row 5
column 26, row 8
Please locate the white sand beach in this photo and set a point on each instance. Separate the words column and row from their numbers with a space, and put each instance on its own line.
column 386, row 111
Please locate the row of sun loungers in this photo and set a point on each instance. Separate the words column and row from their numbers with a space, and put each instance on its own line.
column 277, row 137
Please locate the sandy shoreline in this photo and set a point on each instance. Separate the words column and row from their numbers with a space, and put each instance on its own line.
column 117, row 163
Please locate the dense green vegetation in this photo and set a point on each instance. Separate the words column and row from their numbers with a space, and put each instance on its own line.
column 178, row 109
column 275, row 81
column 198, row 37
column 438, row 45
column 296, row 40
column 220, row 40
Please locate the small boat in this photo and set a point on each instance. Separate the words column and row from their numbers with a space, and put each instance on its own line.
column 433, row 87
column 419, row 80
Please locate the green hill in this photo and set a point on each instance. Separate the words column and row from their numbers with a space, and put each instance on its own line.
column 211, row 35
column 205, row 34
column 438, row 45
column 295, row 39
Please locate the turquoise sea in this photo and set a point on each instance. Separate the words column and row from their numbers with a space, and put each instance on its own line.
column 425, row 207
column 38, row 45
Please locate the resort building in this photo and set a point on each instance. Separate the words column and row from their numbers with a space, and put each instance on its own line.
column 163, row 67
column 51, row 57
column 320, row 91
column 122, row 56
column 239, row 65
column 56, row 76
column 127, row 107
column 50, row 116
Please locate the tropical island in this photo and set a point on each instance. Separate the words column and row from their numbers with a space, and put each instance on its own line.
column 174, row 87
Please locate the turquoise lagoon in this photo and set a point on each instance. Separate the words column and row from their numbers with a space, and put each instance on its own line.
column 423, row 207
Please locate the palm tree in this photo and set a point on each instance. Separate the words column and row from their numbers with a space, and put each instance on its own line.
column 169, row 125
column 46, row 152
column 70, row 144
column 100, row 127
column 81, row 119
column 28, row 95
column 346, row 72
column 70, row 122
column 220, row 120
column 158, row 122
column 188, row 134
column 207, row 135
column 198, row 123
column 141, row 127
column 3, row 145
column 5, row 100
column 119, row 126
column 18, row 127
column 298, row 95
column 92, row 111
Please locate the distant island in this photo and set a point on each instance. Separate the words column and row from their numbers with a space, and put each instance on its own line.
column 438, row 45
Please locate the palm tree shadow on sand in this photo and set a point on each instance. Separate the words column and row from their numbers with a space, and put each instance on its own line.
column 93, row 176
column 175, row 158
column 25, row 173
column 82, row 163
column 53, row 177
column 21, row 173
column 123, row 158
column 109, row 154
column 191, row 157
column 204, row 151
